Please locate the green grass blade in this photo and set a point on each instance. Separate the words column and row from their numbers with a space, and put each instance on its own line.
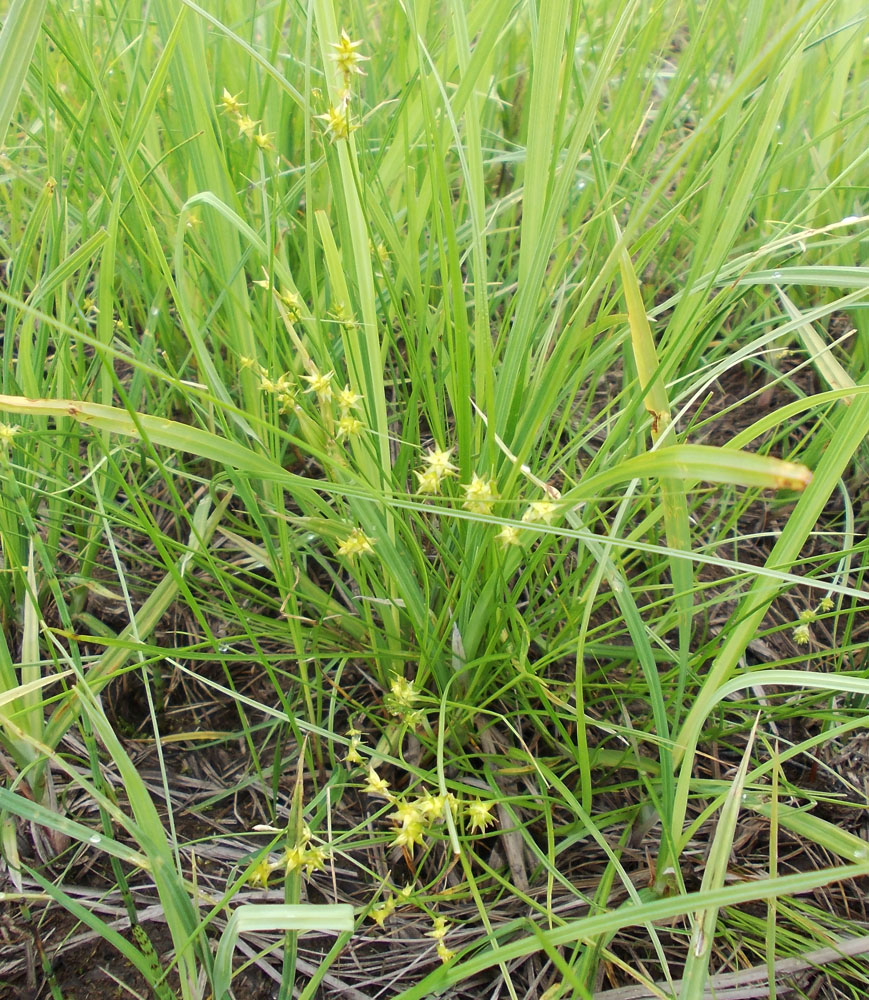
column 257, row 917
column 714, row 876
column 21, row 28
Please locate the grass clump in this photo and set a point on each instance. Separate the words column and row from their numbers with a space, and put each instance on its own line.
column 434, row 493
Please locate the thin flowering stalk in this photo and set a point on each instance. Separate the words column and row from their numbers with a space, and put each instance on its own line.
column 362, row 347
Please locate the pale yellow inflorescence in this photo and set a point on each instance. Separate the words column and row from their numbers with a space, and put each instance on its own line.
column 480, row 494
column 357, row 543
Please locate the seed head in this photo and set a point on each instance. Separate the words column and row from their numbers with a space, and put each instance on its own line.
column 229, row 104
column 508, row 535
column 480, row 814
column 376, row 785
column 357, row 543
column 540, row 510
column 480, row 494
column 321, row 384
column 347, row 58
column 339, row 123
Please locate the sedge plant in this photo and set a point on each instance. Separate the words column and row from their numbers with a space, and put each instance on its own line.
column 408, row 361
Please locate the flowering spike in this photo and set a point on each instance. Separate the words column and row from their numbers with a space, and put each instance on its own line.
column 347, row 58
column 246, row 125
column 480, row 814
column 229, row 104
column 377, row 785
column 321, row 384
column 540, row 510
column 339, row 123
column 508, row 535
column 357, row 543
column 480, row 494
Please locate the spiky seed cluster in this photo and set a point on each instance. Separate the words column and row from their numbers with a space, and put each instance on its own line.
column 288, row 298
column 480, row 494
column 357, row 543
column 352, row 756
column 348, row 425
column 320, row 383
column 283, row 387
column 7, row 435
column 347, row 400
column 541, row 511
column 375, row 785
column 292, row 303
column 439, row 932
column 347, row 57
column 508, row 535
column 401, row 701
column 479, row 814
column 436, row 468
column 230, row 104
column 413, row 818
column 381, row 913
column 802, row 633
column 232, row 107
column 301, row 856
column 380, row 252
column 338, row 119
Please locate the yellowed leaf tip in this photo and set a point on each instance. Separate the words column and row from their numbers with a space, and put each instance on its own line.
column 793, row 477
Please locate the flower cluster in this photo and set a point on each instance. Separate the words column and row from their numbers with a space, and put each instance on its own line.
column 233, row 108
column 300, row 856
column 339, row 120
column 541, row 511
column 348, row 425
column 7, row 435
column 357, row 543
column 439, row 932
column 338, row 117
column 413, row 817
column 380, row 253
column 289, row 299
column 383, row 911
column 479, row 814
column 436, row 468
column 283, row 388
column 802, row 633
column 508, row 535
column 480, row 494
column 352, row 756
column 347, row 57
column 401, row 701
column 320, row 383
